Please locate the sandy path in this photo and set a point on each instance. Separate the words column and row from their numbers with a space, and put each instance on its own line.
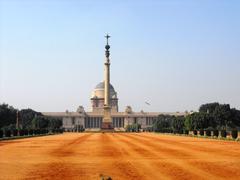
column 121, row 156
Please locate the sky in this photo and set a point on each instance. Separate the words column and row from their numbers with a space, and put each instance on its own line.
column 174, row 54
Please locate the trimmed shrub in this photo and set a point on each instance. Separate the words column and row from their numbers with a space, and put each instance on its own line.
column 25, row 132
column 15, row 132
column 21, row 132
column 180, row 131
column 208, row 132
column 215, row 133
column 36, row 131
column 234, row 134
column 1, row 133
column 195, row 132
column 223, row 133
column 30, row 131
column 42, row 131
column 201, row 132
column 7, row 133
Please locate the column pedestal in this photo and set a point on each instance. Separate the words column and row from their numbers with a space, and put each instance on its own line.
column 107, row 120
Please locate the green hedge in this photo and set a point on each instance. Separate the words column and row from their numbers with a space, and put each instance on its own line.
column 14, row 132
column 208, row 132
column 201, row 132
column 8, row 133
column 195, row 132
column 223, row 133
column 1, row 133
column 215, row 133
column 234, row 134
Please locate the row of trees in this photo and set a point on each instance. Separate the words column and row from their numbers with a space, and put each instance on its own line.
column 27, row 119
column 27, row 132
column 212, row 116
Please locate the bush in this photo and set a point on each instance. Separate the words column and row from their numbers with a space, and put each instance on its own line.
column 42, row 131
column 7, row 133
column 234, row 134
column 1, row 133
column 180, row 131
column 215, row 133
column 15, row 132
column 25, row 132
column 37, row 131
column 186, row 132
column 223, row 133
column 21, row 132
column 201, row 132
column 195, row 132
column 208, row 132
column 30, row 131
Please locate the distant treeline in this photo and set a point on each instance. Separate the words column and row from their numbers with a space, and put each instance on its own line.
column 27, row 118
column 212, row 116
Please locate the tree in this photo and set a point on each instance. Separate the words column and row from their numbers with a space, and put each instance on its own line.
column 26, row 116
column 7, row 115
column 222, row 116
column 163, row 123
column 178, row 123
column 235, row 116
column 40, row 122
column 188, row 122
column 208, row 108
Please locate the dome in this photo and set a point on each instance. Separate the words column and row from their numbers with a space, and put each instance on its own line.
column 101, row 85
column 98, row 92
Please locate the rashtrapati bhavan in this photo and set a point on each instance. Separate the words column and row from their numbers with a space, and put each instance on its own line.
column 104, row 114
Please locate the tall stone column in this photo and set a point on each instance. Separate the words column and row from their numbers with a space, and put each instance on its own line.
column 107, row 120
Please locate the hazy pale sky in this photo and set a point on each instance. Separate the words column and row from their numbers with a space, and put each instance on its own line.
column 174, row 54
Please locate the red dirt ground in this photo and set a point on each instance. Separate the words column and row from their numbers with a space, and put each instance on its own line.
column 120, row 156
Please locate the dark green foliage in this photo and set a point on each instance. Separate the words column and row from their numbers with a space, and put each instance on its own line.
column 235, row 116
column 222, row 115
column 234, row 134
column 133, row 128
column 178, row 124
column 21, row 132
column 180, row 131
column 25, row 132
column 201, row 120
column 208, row 108
column 195, row 132
column 30, row 131
column 37, row 131
column 28, row 119
column 26, row 116
column 1, row 133
column 15, row 132
column 208, row 132
column 8, row 133
column 163, row 123
column 7, row 115
column 215, row 133
column 186, row 132
column 201, row 132
column 223, row 133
